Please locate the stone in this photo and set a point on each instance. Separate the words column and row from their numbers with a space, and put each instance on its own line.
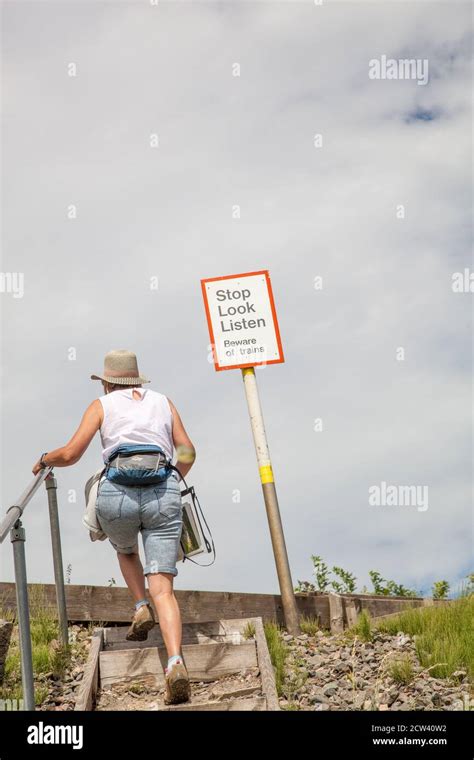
column 402, row 639
column 321, row 672
column 359, row 700
column 390, row 697
column 353, row 676
column 318, row 696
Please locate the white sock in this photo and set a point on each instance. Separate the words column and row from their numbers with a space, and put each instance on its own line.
column 173, row 660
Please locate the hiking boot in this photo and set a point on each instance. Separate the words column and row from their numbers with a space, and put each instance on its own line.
column 143, row 621
column 177, row 684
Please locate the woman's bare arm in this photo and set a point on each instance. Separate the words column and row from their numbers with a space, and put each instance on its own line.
column 185, row 450
column 73, row 451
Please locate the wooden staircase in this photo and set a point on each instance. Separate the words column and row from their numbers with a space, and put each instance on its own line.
column 227, row 660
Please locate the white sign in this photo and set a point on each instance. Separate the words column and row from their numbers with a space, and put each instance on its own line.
column 242, row 320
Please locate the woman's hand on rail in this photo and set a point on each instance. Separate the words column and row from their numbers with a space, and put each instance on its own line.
column 37, row 467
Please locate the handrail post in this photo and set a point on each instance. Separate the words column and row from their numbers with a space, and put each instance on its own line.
column 51, row 488
column 18, row 538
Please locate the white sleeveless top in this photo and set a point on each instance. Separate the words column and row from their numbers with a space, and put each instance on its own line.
column 129, row 420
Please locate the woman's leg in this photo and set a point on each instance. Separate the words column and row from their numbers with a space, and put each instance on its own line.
column 132, row 571
column 118, row 512
column 167, row 609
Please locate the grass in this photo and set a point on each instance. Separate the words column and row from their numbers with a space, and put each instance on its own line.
column 48, row 655
column 41, row 692
column 42, row 657
column 363, row 628
column 288, row 679
column 12, row 665
column 444, row 635
column 249, row 631
column 309, row 625
column 5, row 612
column 295, row 678
column 278, row 653
column 137, row 688
column 401, row 670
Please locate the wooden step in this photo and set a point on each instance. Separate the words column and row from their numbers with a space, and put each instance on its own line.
column 243, row 705
column 215, row 631
column 212, row 650
column 204, row 662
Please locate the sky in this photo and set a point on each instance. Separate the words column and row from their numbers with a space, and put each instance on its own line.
column 377, row 381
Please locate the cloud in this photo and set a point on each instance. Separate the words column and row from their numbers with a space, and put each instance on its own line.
column 305, row 211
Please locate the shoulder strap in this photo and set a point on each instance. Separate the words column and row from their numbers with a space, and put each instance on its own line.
column 190, row 490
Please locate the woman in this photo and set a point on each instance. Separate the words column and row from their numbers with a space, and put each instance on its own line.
column 129, row 414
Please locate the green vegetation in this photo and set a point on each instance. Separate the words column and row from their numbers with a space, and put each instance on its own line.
column 348, row 585
column 401, row 670
column 345, row 585
column 278, row 653
column 388, row 588
column 295, row 678
column 363, row 628
column 137, row 688
column 249, row 631
column 444, row 635
column 48, row 654
column 290, row 672
column 309, row 624
column 305, row 587
column 469, row 588
column 440, row 590
column 344, row 582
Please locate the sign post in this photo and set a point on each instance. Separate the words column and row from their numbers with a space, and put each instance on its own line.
column 244, row 333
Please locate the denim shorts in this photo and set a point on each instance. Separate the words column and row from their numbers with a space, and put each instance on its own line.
column 154, row 511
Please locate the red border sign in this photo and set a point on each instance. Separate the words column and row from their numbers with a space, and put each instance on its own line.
column 274, row 318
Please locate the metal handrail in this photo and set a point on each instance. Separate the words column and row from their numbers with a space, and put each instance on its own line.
column 16, row 510
column 11, row 524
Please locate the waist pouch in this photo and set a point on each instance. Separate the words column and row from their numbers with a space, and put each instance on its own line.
column 141, row 464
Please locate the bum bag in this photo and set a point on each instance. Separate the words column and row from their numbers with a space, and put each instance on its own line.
column 137, row 464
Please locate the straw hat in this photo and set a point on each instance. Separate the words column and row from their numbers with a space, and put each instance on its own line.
column 121, row 368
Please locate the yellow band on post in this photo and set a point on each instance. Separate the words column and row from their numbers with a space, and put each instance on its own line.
column 248, row 371
column 266, row 473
